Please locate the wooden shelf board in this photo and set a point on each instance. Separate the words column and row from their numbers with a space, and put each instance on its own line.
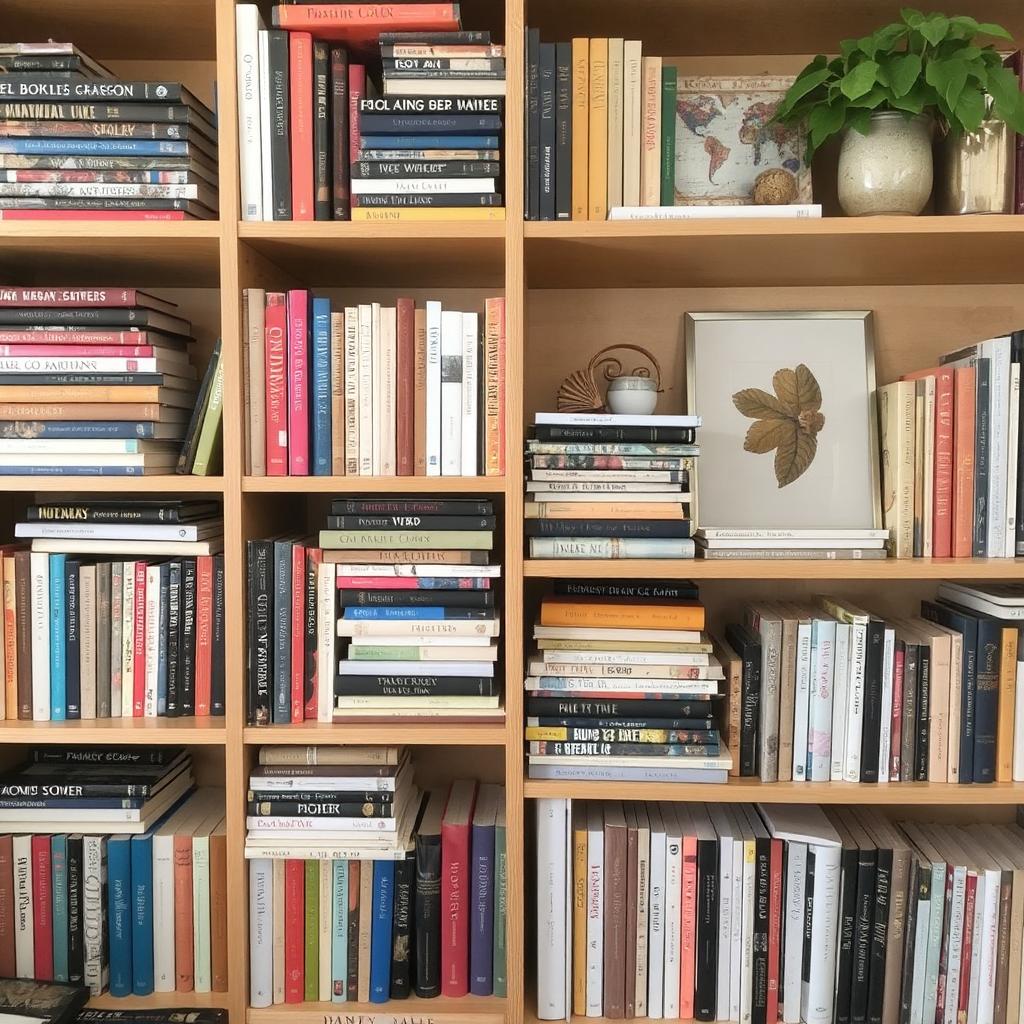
column 777, row 569
column 129, row 731
column 753, row 791
column 169, row 483
column 467, row 1010
column 159, row 1000
column 375, row 484
column 482, row 734
column 764, row 253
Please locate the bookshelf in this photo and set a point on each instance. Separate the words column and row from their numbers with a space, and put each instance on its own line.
column 570, row 289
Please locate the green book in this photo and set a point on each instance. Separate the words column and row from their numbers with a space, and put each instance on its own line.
column 668, row 136
column 187, row 456
column 312, row 964
column 408, row 540
column 208, row 450
column 500, row 947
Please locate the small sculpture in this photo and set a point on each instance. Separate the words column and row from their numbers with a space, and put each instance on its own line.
column 775, row 187
column 579, row 391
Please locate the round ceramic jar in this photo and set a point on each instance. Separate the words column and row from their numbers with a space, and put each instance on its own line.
column 632, row 396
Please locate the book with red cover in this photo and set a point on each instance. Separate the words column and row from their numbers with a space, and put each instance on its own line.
column 8, row 967
column 294, row 930
column 963, row 460
column 82, row 298
column 139, row 666
column 92, row 214
column 359, row 25
column 298, row 635
column 204, row 633
column 688, row 927
column 455, row 910
column 300, row 61
column 316, row 675
column 76, row 338
column 184, row 930
column 298, row 382
column 42, row 908
column 774, row 927
column 276, row 349
column 356, row 88
column 405, row 411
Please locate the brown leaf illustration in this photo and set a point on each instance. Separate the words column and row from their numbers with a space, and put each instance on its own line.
column 797, row 389
column 764, row 435
column 759, row 405
column 794, row 456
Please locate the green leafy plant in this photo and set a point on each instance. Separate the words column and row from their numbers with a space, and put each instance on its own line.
column 922, row 64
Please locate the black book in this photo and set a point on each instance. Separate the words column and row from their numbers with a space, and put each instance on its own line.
column 429, row 124
column 193, row 1015
column 922, row 740
column 705, row 726
column 218, row 681
column 342, row 206
column 427, row 909
column 563, row 131
column 137, row 113
column 93, row 317
column 982, row 427
column 309, row 644
column 280, row 124
column 72, row 640
column 806, row 948
column 440, row 67
column 394, row 71
column 47, row 1002
column 355, row 798
column 748, row 646
column 847, row 926
column 704, row 1003
column 762, row 913
column 431, row 200
column 595, row 707
column 669, row 590
column 122, row 512
column 401, row 927
column 908, row 725
column 322, row 178
column 879, row 935
column 462, row 37
column 411, row 507
column 314, row 772
column 259, row 561
column 416, row 598
column 389, row 169
column 871, row 733
column 76, row 922
column 103, row 627
column 532, row 162
column 353, row 925
column 546, row 114
column 148, row 758
column 306, row 808
column 174, row 640
column 280, row 644
column 28, row 380
column 1017, row 356
column 415, row 686
column 64, row 86
column 48, row 62
column 918, row 893
column 606, row 527
column 187, row 642
column 638, row 435
column 864, row 915
column 415, row 521
column 46, row 129
column 189, row 206
column 430, row 106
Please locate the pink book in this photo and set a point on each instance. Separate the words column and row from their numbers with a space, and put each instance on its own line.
column 897, row 715
column 300, row 54
column 276, row 347
column 139, row 682
column 356, row 91
column 298, row 660
column 688, row 960
column 298, row 383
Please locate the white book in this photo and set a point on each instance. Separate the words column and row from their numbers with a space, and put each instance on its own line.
column 118, row 531
column 94, row 886
column 595, row 910
column 388, row 389
column 39, row 568
column 724, row 829
column 793, row 931
column 924, row 908
column 746, row 212
column 87, row 633
column 433, row 389
column 261, row 933
column 998, row 352
column 747, row 933
column 842, row 666
column 451, row 393
column 201, row 902
column 116, row 618
column 364, row 367
column 250, row 139
column 656, row 916
column 673, row 910
column 352, row 406
column 817, row 995
column 163, row 908
column 152, row 639
column 974, row 989
column 277, row 926
column 414, row 668
column 632, row 106
column 470, row 392
column 1018, row 726
column 838, row 543
column 736, row 533
column 376, row 390
column 736, row 941
column 989, row 944
column 552, row 918
column 324, row 920
column 609, row 419
column 128, row 641
column 1012, row 454
column 266, row 173
column 24, row 927
column 850, row 768
column 643, row 900
column 819, row 731
column 327, row 610
column 956, row 938
column 802, row 699
column 1002, row 601
column 885, row 733
column 415, row 186
column 927, row 525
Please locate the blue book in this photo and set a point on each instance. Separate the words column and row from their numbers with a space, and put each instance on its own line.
column 59, row 883
column 65, row 429
column 142, row 914
column 119, row 914
column 58, row 640
column 72, row 658
column 481, row 899
column 165, row 614
column 72, row 469
column 415, row 613
column 320, row 395
column 380, row 930
column 339, row 932
column 430, row 142
column 281, row 644
column 93, row 147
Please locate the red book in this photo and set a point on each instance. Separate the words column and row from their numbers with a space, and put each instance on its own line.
column 294, row 930
column 963, row 461
column 80, row 298
column 494, row 387
column 298, row 661
column 42, row 908
column 967, row 946
column 300, row 52
column 361, row 24
column 275, row 338
column 316, row 675
column 139, row 666
column 774, row 926
column 405, row 412
column 82, row 351
column 455, row 912
column 184, row 952
column 204, row 632
column 298, row 383
column 80, row 338
column 8, row 968
column 92, row 215
column 688, row 927
column 898, row 661
column 356, row 88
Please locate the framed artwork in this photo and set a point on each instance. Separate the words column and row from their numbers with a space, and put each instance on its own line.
column 789, row 434
column 724, row 139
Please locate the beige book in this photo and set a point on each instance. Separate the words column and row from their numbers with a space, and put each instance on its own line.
column 324, row 920
column 896, row 415
column 388, row 389
column 580, row 125
column 643, row 889
column 650, row 141
column 787, row 688
column 940, row 644
column 419, row 433
column 365, row 919
column 597, row 179
column 338, row 394
column 351, row 390
column 10, row 639
column 615, row 124
column 632, row 118
column 278, row 919
column 928, row 513
column 918, row 468
column 766, row 620
column 376, row 389
column 364, row 365
column 256, row 381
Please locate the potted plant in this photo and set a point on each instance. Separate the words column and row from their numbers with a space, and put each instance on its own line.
column 887, row 92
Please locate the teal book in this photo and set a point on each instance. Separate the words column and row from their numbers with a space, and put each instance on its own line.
column 58, row 641
column 59, row 881
column 143, row 974
column 339, row 932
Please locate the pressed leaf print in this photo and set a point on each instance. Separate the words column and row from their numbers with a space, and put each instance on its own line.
column 787, row 423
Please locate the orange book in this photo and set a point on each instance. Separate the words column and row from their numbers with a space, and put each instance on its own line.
column 688, row 931
column 597, row 179
column 963, row 461
column 579, row 910
column 419, row 398
column 360, row 24
column 219, row 908
column 1007, row 704
column 98, row 410
column 580, row 125
column 557, row 611
column 300, row 51
column 184, row 954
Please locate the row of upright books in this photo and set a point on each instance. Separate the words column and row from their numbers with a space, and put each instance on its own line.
column 348, row 112
column 391, row 617
column 372, row 389
column 829, row 692
column 113, row 872
column 116, row 610
column 774, row 912
column 76, row 142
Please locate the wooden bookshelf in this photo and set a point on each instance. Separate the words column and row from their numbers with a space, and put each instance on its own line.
column 570, row 289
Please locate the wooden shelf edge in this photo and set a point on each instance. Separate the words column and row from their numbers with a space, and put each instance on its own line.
column 128, row 731
column 375, row 484
column 168, row 232
column 118, row 484
column 316, row 232
column 160, row 1000
column 467, row 1010
column 489, row 734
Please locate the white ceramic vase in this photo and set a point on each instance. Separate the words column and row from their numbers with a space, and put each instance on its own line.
column 889, row 170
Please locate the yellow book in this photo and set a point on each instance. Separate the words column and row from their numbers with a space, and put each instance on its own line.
column 615, row 100
column 650, row 155
column 632, row 114
column 383, row 214
column 580, row 125
column 1007, row 704
column 597, row 179
column 579, row 909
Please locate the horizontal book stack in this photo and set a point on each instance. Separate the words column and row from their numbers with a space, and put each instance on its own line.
column 952, row 479
column 100, row 382
column 116, row 611
column 829, row 692
column 371, row 389
column 394, row 112
column 601, row 485
column 357, row 928
column 623, row 686
column 131, row 911
column 76, row 143
column 830, row 544
column 774, row 912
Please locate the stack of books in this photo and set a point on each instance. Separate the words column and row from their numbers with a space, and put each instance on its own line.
column 952, row 477
column 371, row 389
column 606, row 486
column 136, row 634
column 99, row 382
column 320, row 142
column 735, row 912
column 623, row 686
column 359, row 927
column 116, row 875
column 826, row 691
column 831, row 544
column 77, row 143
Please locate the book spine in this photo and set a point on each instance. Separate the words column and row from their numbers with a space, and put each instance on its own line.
column 982, row 456
column 428, row 917
column 356, row 91
column 247, row 27
column 187, row 644
column 481, row 964
column 58, row 639
column 340, row 157
column 204, row 635
column 141, row 859
column 401, row 927
column 597, row 187
column 668, row 135
column 339, row 930
column 494, row 387
column 298, row 382
column 580, row 126
column 321, row 397
column 323, row 181
column 119, row 913
column 218, row 672
column 294, row 908
column 42, row 908
column 261, row 953
column 297, row 612
column 300, row 48
column 563, row 132
column 381, row 928
column 276, row 373
column 405, row 413
column 455, row 852
column 312, row 673
column 470, row 426
column 95, row 887
column 73, row 640
column 311, row 923
column 531, row 163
